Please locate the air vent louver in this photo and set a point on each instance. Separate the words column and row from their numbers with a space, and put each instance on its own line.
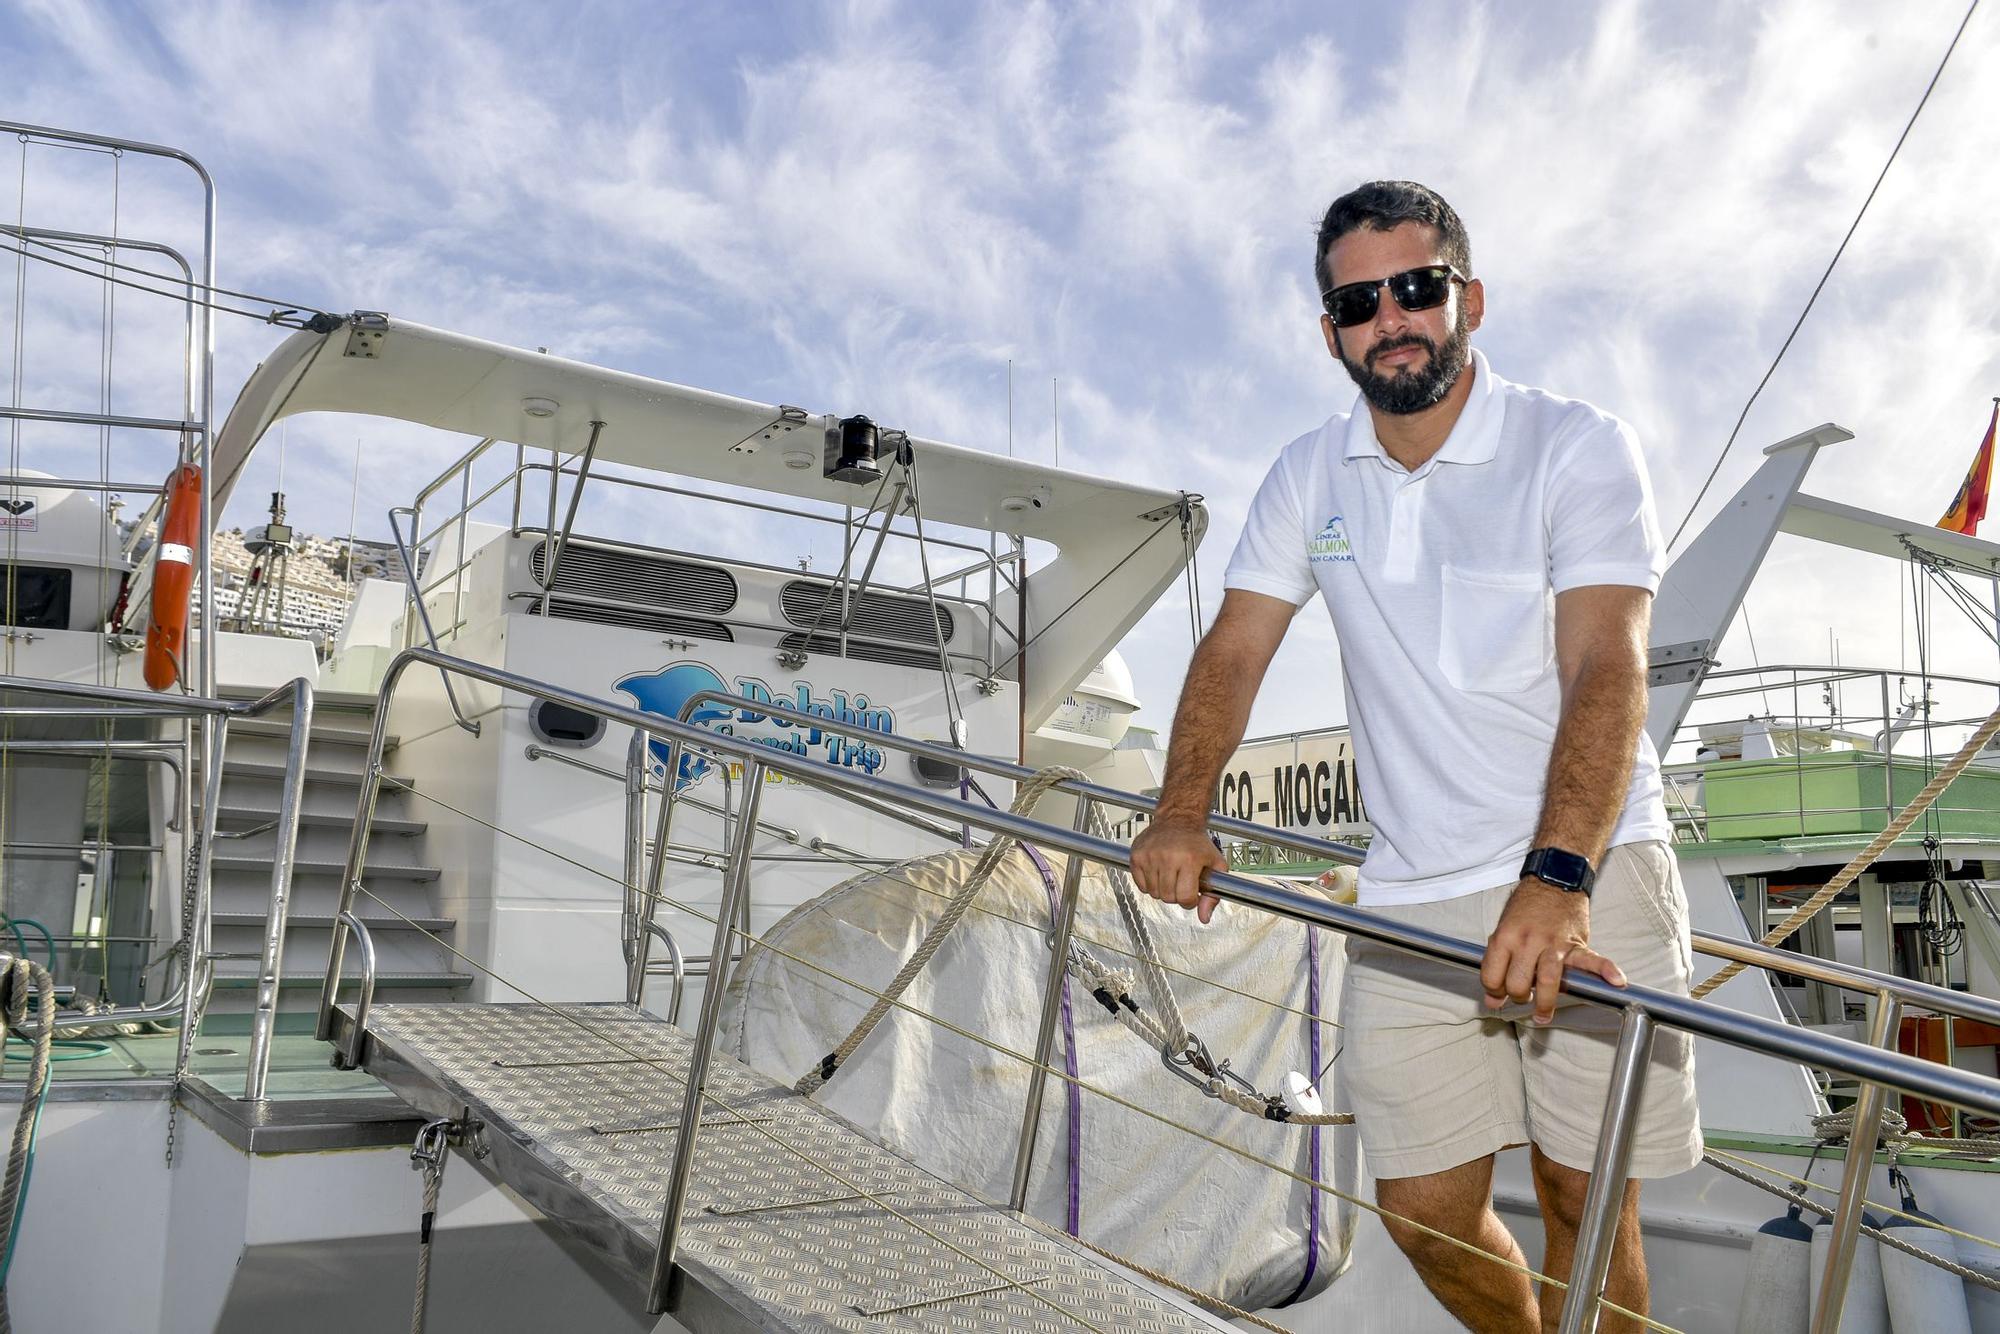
column 643, row 592
column 817, row 606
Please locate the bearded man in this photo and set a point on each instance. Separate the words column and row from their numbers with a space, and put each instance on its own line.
column 1488, row 553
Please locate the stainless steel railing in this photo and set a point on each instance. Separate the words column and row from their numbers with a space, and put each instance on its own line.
column 997, row 565
column 191, row 998
column 1642, row 1008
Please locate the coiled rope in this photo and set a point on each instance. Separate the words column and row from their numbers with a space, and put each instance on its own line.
column 18, row 977
column 1865, row 858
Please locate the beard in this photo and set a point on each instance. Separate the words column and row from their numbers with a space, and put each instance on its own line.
column 1412, row 389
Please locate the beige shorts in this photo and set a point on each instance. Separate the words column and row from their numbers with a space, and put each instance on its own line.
column 1436, row 1079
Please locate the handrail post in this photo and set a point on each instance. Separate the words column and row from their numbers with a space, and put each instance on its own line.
column 349, row 1057
column 635, row 985
column 200, row 966
column 662, row 1294
column 1045, row 1034
column 1597, row 1232
column 284, row 850
column 1861, row 1140
column 557, row 541
column 635, row 846
column 357, row 847
column 674, row 962
column 424, row 615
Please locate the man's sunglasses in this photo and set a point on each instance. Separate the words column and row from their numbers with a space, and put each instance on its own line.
column 1414, row 289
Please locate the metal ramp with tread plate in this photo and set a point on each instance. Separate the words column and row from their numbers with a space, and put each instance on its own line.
column 775, row 1236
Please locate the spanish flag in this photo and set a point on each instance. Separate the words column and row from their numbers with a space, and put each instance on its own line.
column 1968, row 507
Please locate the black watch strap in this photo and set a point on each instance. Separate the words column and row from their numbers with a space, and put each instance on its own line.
column 1565, row 870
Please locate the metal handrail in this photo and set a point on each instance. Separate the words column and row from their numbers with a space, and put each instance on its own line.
column 1941, row 999
column 989, row 561
column 200, row 359
column 1849, row 977
column 934, row 750
column 1642, row 1007
column 677, row 967
column 424, row 614
column 365, row 997
column 193, row 993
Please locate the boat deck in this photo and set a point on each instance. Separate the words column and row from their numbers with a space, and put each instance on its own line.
column 795, row 1221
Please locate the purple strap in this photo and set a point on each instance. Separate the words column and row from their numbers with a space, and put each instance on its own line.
column 1312, row 1137
column 1072, row 1091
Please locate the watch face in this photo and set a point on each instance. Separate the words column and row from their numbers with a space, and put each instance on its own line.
column 1565, row 869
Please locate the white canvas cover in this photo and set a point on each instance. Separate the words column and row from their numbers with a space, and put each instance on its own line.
column 1163, row 1198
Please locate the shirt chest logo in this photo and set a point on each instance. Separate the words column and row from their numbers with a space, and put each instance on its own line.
column 1331, row 544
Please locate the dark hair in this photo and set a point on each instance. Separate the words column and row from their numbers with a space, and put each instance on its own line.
column 1383, row 205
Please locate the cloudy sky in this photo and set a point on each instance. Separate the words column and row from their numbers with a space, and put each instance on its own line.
column 876, row 206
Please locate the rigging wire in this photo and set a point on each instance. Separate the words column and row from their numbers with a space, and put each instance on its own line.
column 1821, row 284
column 192, row 284
column 280, row 313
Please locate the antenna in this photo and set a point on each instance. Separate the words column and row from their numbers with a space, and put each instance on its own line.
column 1055, row 418
column 1011, row 407
column 353, row 501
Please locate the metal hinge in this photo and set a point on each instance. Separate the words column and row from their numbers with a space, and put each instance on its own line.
column 1677, row 664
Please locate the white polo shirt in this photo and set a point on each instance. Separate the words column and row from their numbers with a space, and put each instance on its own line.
column 1442, row 585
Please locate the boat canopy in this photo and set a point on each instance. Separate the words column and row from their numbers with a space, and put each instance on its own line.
column 1120, row 545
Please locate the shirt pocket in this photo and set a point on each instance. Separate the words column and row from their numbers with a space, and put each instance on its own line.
column 1495, row 634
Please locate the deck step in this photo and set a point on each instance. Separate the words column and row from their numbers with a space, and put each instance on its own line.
column 383, row 981
column 369, row 871
column 330, row 701
column 327, row 736
column 230, row 818
column 324, row 920
column 330, row 777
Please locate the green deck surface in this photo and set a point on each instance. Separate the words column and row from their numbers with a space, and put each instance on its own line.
column 300, row 1066
column 1840, row 792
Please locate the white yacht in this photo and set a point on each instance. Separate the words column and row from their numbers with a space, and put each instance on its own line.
column 455, row 889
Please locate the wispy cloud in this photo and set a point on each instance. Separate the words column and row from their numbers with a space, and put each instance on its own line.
column 876, row 207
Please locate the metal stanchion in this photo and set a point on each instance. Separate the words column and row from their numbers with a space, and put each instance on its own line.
column 662, row 1294
column 1861, row 1140
column 1597, row 1233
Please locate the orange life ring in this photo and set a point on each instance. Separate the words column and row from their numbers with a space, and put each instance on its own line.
column 173, row 578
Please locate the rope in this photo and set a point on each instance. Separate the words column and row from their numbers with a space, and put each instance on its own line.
column 1144, row 950
column 1865, row 858
column 1025, row 801
column 1798, row 1197
column 428, row 1156
column 19, row 976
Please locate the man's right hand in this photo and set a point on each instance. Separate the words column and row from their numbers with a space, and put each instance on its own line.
column 1168, row 858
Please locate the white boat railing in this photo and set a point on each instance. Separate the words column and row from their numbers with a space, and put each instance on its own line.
column 190, row 999
column 1642, row 1009
column 998, row 564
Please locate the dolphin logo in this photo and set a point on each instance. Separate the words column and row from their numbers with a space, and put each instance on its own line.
column 665, row 693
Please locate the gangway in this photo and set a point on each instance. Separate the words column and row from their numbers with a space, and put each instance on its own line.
column 794, row 1220
column 742, row 1205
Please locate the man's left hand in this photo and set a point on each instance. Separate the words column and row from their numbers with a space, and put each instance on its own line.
column 1542, row 931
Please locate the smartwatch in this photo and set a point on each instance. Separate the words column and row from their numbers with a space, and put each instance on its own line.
column 1565, row 870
